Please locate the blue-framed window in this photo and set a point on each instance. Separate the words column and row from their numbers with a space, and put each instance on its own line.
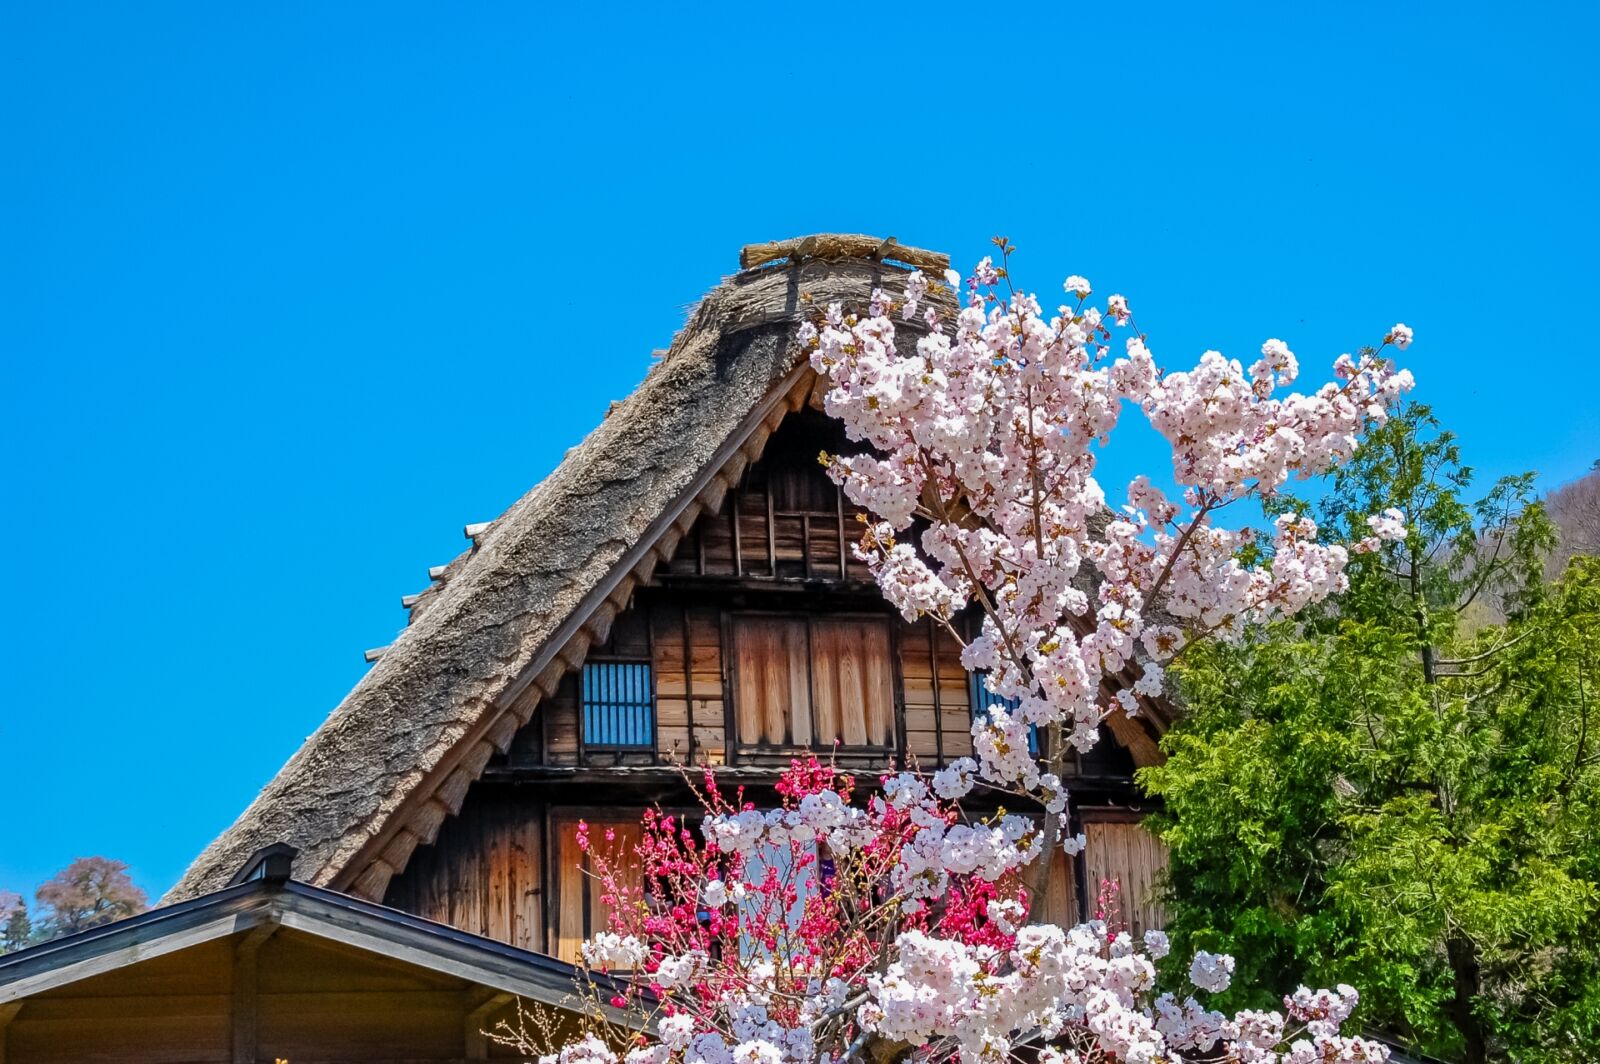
column 619, row 706
column 982, row 700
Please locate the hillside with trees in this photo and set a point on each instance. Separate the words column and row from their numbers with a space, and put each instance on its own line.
column 1574, row 509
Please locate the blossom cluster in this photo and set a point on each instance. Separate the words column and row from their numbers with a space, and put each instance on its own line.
column 1387, row 527
column 981, row 438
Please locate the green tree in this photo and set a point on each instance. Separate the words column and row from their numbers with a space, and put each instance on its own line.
column 1387, row 795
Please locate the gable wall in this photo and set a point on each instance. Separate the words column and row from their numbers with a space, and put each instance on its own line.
column 500, row 869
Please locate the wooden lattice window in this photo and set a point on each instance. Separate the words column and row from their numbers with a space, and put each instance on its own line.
column 619, row 705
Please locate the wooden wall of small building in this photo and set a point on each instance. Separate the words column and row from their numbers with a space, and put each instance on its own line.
column 313, row 1001
column 1121, row 851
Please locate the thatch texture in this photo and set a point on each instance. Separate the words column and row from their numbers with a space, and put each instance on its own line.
column 394, row 759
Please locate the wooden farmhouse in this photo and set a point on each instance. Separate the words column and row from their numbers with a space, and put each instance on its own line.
column 680, row 590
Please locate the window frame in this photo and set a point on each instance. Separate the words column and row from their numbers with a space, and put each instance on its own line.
column 648, row 707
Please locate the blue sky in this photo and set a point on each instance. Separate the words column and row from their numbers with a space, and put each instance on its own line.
column 290, row 293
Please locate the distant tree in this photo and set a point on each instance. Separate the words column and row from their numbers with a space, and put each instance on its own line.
column 16, row 929
column 1575, row 509
column 88, row 892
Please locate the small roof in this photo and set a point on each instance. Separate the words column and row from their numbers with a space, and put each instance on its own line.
column 324, row 914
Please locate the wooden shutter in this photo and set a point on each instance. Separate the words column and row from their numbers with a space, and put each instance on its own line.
column 773, row 697
column 579, row 910
column 852, row 689
column 1124, row 851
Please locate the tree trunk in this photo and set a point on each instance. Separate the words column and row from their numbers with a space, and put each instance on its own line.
column 1468, row 985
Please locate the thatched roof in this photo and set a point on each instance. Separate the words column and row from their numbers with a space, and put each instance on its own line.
column 543, row 581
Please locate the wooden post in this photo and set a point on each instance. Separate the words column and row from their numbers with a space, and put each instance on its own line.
column 772, row 534
column 244, row 999
column 688, row 676
column 481, row 1004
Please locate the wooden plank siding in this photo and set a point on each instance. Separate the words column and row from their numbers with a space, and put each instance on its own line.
column 1119, row 849
column 938, row 712
column 785, row 520
column 484, row 874
column 796, row 682
column 580, row 909
column 488, row 873
column 687, row 661
column 817, row 682
column 1061, row 895
column 852, row 683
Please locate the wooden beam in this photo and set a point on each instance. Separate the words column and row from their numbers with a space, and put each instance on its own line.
column 242, row 1009
column 840, row 246
column 481, row 1004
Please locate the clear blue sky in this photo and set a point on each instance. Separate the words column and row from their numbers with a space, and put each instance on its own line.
column 287, row 293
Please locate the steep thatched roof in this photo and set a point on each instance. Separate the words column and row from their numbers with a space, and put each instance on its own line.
column 544, row 581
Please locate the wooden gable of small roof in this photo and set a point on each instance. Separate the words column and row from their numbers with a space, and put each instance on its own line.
column 545, row 579
column 279, row 969
column 263, row 906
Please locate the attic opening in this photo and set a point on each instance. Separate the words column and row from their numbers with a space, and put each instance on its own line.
column 785, row 519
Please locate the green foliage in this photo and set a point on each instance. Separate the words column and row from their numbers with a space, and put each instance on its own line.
column 1385, row 795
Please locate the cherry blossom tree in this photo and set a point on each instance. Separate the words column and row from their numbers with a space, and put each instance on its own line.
column 834, row 928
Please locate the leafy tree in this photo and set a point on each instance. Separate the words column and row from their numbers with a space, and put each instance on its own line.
column 88, row 892
column 1377, row 793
